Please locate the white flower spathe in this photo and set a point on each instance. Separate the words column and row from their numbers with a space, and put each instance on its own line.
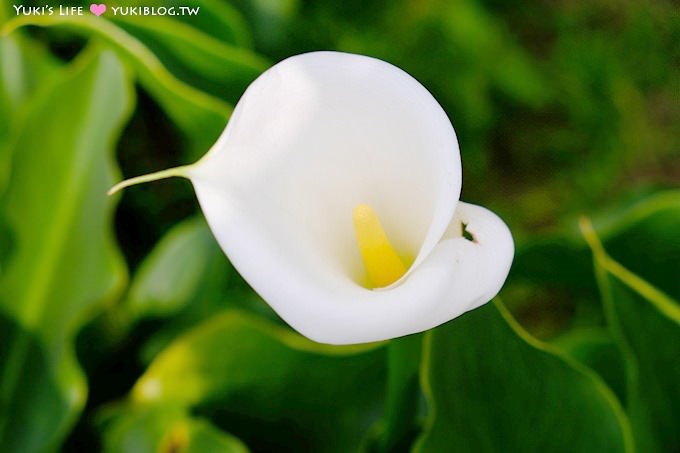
column 311, row 139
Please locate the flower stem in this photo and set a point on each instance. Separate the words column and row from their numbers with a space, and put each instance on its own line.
column 170, row 172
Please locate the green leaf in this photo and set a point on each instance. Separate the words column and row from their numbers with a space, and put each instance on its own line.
column 403, row 393
column 188, row 276
column 641, row 234
column 266, row 384
column 184, row 265
column 595, row 348
column 272, row 22
column 186, row 279
column 164, row 428
column 205, row 438
column 196, row 57
column 215, row 17
column 645, row 322
column 65, row 265
column 183, row 278
column 558, row 260
column 644, row 237
column 13, row 88
column 492, row 387
column 25, row 69
column 222, row 20
column 200, row 116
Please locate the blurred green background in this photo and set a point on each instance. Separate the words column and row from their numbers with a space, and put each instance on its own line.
column 124, row 328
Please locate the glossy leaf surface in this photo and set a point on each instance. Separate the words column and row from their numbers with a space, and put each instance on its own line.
column 491, row 387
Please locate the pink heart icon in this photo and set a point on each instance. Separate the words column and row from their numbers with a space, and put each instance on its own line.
column 97, row 10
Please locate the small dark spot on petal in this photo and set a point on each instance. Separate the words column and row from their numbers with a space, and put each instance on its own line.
column 466, row 234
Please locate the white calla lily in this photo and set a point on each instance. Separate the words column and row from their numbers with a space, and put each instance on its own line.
column 326, row 156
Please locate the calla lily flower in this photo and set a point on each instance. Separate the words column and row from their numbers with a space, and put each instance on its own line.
column 334, row 191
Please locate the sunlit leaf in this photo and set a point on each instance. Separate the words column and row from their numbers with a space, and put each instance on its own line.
column 254, row 377
column 64, row 265
column 164, row 428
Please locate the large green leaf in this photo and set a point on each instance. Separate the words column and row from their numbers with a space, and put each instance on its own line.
column 254, row 377
column 26, row 70
column 64, row 265
column 199, row 115
column 646, row 324
column 640, row 233
column 163, row 428
column 492, row 387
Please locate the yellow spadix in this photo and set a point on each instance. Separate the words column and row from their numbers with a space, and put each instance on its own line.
column 382, row 263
